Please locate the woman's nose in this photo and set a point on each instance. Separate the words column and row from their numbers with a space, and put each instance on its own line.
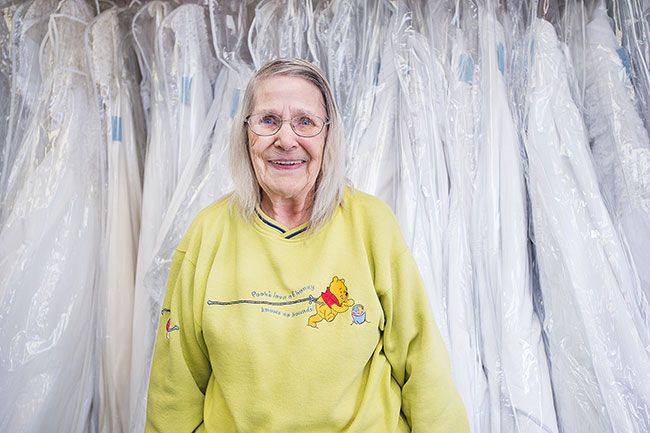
column 285, row 137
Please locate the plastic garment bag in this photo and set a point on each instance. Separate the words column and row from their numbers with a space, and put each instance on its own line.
column 279, row 30
column 205, row 178
column 30, row 23
column 229, row 20
column 422, row 200
column 511, row 340
column 123, row 135
column 186, row 69
column 144, row 26
column 371, row 149
column 367, row 91
column 619, row 141
column 6, row 20
column 190, row 71
column 595, row 332
column 49, row 248
column 435, row 19
column 635, row 30
column 462, row 303
column 337, row 41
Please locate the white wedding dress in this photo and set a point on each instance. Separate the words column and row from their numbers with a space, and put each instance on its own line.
column 512, row 348
column 49, row 248
column 594, row 330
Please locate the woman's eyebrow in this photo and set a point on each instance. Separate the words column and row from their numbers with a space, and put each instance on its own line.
column 299, row 111
column 267, row 111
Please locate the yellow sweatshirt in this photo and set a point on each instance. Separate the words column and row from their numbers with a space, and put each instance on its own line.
column 265, row 329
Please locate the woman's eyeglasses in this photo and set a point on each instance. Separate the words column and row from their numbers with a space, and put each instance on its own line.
column 303, row 125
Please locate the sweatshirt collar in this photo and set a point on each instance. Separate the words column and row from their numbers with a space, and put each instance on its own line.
column 270, row 225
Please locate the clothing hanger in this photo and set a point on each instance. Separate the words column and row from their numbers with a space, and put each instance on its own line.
column 548, row 10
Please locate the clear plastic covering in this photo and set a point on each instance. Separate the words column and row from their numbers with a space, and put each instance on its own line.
column 422, row 198
column 513, row 353
column 372, row 154
column 337, row 40
column 114, row 73
column 184, row 69
column 510, row 138
column 6, row 24
column 594, row 322
column 185, row 72
column 633, row 33
column 49, row 244
column 619, row 141
column 145, row 24
column 30, row 24
column 462, row 308
column 279, row 29
column 204, row 177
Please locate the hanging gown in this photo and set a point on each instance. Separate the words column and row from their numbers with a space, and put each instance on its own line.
column 144, row 26
column 372, row 150
column 206, row 178
column 619, row 141
column 29, row 27
column 279, row 30
column 422, row 201
column 595, row 333
column 6, row 26
column 49, row 248
column 511, row 340
column 184, row 71
column 462, row 313
column 123, row 134
column 635, row 39
column 337, row 40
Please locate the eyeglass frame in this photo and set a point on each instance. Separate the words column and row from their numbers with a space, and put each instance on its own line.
column 282, row 122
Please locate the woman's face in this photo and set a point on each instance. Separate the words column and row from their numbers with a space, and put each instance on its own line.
column 287, row 165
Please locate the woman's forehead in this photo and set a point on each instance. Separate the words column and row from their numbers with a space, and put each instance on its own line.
column 290, row 93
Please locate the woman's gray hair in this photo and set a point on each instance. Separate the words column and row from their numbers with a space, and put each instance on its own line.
column 330, row 183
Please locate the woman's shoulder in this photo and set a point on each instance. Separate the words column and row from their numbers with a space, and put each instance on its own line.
column 217, row 210
column 368, row 207
column 374, row 221
column 209, row 221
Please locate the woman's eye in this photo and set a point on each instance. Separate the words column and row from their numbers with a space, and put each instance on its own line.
column 268, row 120
column 305, row 121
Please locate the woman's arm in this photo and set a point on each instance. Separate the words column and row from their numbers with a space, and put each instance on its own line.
column 181, row 368
column 418, row 356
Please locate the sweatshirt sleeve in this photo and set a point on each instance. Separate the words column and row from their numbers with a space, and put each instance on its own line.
column 417, row 354
column 181, row 368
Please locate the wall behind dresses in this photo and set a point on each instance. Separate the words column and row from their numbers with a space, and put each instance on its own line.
column 510, row 139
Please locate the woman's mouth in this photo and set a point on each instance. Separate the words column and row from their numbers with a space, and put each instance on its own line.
column 287, row 164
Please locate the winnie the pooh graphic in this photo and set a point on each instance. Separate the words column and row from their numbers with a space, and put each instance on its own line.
column 331, row 302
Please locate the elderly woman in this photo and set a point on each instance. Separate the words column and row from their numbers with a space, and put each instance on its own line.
column 294, row 304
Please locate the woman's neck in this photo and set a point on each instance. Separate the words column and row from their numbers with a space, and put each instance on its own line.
column 290, row 212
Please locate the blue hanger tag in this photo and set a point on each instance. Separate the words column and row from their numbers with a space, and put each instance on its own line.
column 234, row 103
column 186, row 89
column 376, row 73
column 501, row 57
column 116, row 128
column 466, row 68
column 622, row 54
